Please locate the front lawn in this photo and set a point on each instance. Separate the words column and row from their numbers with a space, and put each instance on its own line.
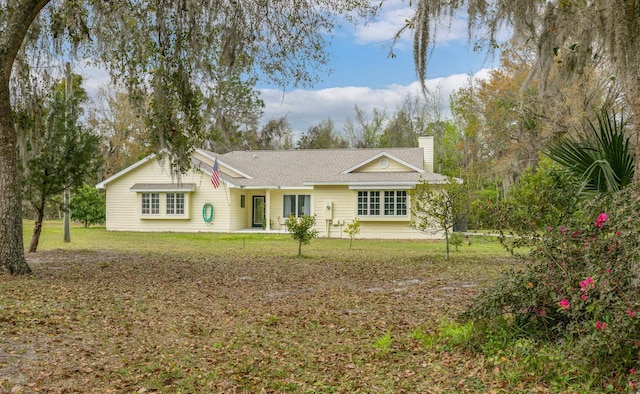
column 140, row 312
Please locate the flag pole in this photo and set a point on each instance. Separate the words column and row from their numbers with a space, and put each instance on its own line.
column 216, row 180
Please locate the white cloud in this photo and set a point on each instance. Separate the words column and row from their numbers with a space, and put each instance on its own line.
column 393, row 16
column 93, row 77
column 306, row 108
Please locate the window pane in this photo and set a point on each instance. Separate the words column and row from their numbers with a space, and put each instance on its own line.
column 289, row 204
column 374, row 203
column 170, row 203
column 146, row 204
column 401, row 202
column 304, row 205
column 155, row 203
column 389, row 203
column 180, row 204
column 363, row 203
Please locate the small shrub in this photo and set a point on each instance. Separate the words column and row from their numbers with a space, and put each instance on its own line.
column 456, row 240
column 302, row 229
column 88, row 205
column 352, row 230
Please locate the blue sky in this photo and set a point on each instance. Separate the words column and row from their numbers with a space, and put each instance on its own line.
column 364, row 75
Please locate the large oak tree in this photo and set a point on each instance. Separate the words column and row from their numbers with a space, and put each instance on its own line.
column 163, row 52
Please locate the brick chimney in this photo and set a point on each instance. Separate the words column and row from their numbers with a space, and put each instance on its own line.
column 426, row 143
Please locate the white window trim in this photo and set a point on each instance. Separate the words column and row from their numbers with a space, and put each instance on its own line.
column 295, row 207
column 162, row 214
column 381, row 204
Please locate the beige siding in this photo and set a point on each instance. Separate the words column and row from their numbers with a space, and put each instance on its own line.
column 276, row 205
column 343, row 203
column 237, row 213
column 393, row 166
column 124, row 206
column 341, row 200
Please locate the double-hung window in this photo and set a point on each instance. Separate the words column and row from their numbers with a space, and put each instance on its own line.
column 175, row 203
column 395, row 203
column 150, row 203
column 296, row 205
column 368, row 203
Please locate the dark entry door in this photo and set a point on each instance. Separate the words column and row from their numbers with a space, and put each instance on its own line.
column 257, row 217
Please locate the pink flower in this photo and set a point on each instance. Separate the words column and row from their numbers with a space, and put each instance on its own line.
column 601, row 219
column 587, row 284
column 600, row 326
column 563, row 230
column 549, row 228
column 632, row 371
column 631, row 313
column 631, row 384
column 618, row 233
column 584, row 297
column 564, row 304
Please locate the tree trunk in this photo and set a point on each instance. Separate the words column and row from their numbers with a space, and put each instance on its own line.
column 446, row 238
column 11, row 244
column 299, row 248
column 37, row 230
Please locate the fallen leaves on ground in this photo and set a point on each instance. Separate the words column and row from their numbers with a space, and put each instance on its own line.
column 98, row 321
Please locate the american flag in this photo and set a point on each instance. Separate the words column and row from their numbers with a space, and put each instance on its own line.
column 215, row 174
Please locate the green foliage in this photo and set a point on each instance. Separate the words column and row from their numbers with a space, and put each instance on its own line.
column 302, row 229
column 482, row 207
column 88, row 205
column 365, row 133
column 322, row 136
column 352, row 230
column 580, row 290
column 65, row 155
column 439, row 207
column 544, row 196
column 456, row 240
column 447, row 335
column 383, row 343
column 276, row 134
column 602, row 157
column 448, row 155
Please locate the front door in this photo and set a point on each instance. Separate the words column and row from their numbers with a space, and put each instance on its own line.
column 257, row 217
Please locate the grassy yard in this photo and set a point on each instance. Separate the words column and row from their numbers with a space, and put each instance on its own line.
column 140, row 312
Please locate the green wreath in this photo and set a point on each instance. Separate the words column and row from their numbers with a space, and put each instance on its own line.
column 207, row 212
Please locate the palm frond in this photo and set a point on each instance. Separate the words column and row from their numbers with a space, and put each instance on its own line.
column 601, row 157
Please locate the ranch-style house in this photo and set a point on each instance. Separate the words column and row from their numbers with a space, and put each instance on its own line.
column 258, row 190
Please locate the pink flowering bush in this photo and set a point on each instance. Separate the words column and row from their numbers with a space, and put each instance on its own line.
column 580, row 291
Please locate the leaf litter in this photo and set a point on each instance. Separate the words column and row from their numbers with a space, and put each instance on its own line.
column 104, row 321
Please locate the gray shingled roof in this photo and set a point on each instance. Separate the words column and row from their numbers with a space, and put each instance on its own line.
column 296, row 168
